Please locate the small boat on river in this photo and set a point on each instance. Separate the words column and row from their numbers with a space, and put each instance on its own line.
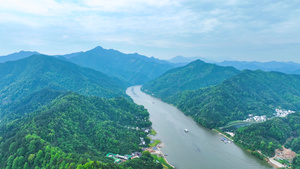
column 186, row 130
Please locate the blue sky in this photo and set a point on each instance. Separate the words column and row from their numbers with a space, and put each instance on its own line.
column 261, row 30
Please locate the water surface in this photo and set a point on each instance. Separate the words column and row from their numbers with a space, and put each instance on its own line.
column 197, row 149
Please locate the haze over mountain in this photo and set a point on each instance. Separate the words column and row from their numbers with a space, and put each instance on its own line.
column 195, row 75
column 22, row 77
column 17, row 55
column 131, row 68
column 285, row 67
column 185, row 60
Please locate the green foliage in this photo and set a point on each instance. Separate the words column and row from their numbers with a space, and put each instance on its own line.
column 146, row 162
column 133, row 69
column 21, row 78
column 270, row 135
column 195, row 75
column 72, row 129
column 250, row 92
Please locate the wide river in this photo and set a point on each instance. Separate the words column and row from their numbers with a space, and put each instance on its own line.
column 200, row 147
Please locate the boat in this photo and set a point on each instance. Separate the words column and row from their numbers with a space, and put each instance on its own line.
column 186, row 130
column 225, row 140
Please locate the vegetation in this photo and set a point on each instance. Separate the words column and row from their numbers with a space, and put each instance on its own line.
column 20, row 78
column 250, row 92
column 162, row 161
column 73, row 131
column 133, row 69
column 272, row 134
column 195, row 75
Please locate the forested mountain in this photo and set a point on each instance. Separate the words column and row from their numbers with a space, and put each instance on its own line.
column 22, row 77
column 285, row 67
column 250, row 92
column 195, row 75
column 272, row 134
column 73, row 131
column 17, row 55
column 130, row 68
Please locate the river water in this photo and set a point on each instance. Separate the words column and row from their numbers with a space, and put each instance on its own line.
column 197, row 149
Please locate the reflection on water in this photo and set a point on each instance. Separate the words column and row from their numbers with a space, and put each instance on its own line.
column 198, row 148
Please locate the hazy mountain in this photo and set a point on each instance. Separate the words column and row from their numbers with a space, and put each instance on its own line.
column 185, row 60
column 195, row 75
column 250, row 92
column 130, row 68
column 17, row 55
column 22, row 77
column 285, row 67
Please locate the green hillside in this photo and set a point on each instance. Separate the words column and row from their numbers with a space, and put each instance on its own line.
column 74, row 130
column 250, row 92
column 195, row 75
column 272, row 134
column 132, row 69
column 20, row 78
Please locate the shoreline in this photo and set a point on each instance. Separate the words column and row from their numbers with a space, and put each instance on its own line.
column 160, row 145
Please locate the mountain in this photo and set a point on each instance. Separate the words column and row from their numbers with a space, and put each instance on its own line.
column 133, row 69
column 74, row 131
column 195, row 75
column 25, row 76
column 186, row 60
column 272, row 134
column 249, row 92
column 16, row 56
column 285, row 67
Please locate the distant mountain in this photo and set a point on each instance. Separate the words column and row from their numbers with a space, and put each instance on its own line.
column 16, row 56
column 74, row 131
column 186, row 60
column 195, row 75
column 131, row 68
column 285, row 67
column 250, row 92
column 20, row 78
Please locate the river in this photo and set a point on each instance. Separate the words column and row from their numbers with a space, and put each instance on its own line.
column 197, row 149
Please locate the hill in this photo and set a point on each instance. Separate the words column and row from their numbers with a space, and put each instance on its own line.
column 17, row 55
column 133, row 69
column 23, row 77
column 73, row 131
column 285, row 67
column 250, row 92
column 272, row 134
column 195, row 75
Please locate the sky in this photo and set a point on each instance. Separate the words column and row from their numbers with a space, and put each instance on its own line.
column 247, row 30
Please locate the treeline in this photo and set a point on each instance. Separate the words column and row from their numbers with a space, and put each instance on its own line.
column 73, row 131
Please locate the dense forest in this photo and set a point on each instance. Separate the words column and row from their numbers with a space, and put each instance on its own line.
column 250, row 92
column 132, row 69
column 195, row 75
column 272, row 134
column 55, row 114
column 72, row 130
column 19, row 78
